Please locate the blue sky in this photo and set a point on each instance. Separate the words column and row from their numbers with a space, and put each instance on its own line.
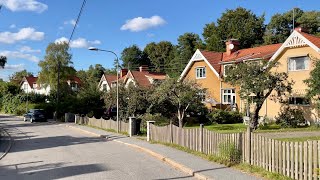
column 28, row 26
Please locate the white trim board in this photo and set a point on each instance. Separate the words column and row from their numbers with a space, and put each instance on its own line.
column 294, row 40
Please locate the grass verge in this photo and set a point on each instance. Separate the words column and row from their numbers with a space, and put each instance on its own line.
column 257, row 171
column 108, row 130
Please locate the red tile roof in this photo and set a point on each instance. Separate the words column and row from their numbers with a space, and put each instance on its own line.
column 264, row 52
column 31, row 80
column 110, row 78
column 141, row 78
column 312, row 38
column 75, row 79
column 216, row 58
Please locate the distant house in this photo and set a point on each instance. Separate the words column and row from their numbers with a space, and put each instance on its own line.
column 29, row 85
column 143, row 78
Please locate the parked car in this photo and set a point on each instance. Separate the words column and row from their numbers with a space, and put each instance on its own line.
column 34, row 115
column 110, row 113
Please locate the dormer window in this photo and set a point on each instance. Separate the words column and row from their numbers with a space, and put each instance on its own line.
column 200, row 72
column 298, row 63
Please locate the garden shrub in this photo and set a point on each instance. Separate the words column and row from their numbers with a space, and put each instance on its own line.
column 225, row 117
column 229, row 154
column 158, row 118
column 290, row 117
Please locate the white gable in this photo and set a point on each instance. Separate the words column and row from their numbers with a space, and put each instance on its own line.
column 294, row 40
column 197, row 56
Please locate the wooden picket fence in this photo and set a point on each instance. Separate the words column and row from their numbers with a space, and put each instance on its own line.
column 102, row 123
column 298, row 160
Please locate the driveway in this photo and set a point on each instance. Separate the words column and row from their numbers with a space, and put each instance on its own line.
column 53, row 151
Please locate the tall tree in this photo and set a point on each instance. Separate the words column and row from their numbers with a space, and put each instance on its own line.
column 3, row 61
column 257, row 81
column 188, row 43
column 17, row 76
column 181, row 94
column 314, row 83
column 55, row 53
column 280, row 26
column 133, row 57
column 160, row 55
column 240, row 23
column 310, row 20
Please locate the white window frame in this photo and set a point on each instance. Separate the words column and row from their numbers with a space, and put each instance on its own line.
column 231, row 94
column 295, row 68
column 25, row 87
column 203, row 68
column 104, row 87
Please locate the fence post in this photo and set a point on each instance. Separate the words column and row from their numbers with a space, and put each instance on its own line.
column 248, row 143
column 148, row 129
column 201, row 138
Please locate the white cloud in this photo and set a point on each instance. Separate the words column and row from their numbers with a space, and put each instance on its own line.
column 17, row 67
column 24, row 5
column 71, row 22
column 23, row 34
column 19, row 55
column 12, row 26
column 140, row 23
column 150, row 35
column 28, row 49
column 78, row 43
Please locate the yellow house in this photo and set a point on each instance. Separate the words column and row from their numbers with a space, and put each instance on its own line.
column 295, row 57
column 207, row 69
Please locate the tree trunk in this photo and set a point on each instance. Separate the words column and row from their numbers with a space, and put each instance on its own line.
column 180, row 117
column 255, row 118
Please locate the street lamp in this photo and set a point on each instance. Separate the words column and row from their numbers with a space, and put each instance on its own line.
column 97, row 49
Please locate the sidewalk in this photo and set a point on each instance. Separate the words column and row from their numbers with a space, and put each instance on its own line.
column 188, row 163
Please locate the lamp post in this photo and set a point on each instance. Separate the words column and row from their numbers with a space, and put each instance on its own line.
column 97, row 49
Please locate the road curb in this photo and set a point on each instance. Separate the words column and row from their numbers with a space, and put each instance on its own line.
column 9, row 146
column 167, row 160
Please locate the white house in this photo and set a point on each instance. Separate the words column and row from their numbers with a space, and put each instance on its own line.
column 30, row 85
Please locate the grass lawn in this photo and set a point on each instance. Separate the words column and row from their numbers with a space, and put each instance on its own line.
column 224, row 128
column 299, row 139
column 240, row 127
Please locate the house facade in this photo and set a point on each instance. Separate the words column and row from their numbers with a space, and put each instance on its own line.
column 294, row 57
column 30, row 85
column 208, row 68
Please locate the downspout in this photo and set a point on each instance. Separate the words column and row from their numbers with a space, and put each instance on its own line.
column 220, row 93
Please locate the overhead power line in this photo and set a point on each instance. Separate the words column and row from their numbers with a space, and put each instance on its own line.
column 78, row 18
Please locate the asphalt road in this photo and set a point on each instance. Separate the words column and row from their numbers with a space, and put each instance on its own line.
column 53, row 151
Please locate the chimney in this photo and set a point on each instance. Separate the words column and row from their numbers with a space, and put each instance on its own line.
column 143, row 68
column 301, row 29
column 123, row 72
column 232, row 45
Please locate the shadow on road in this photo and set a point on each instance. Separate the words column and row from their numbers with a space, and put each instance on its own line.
column 47, row 171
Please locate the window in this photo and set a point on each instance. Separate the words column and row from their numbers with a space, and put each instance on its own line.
column 298, row 63
column 104, row 87
column 202, row 96
column 299, row 101
column 228, row 96
column 34, row 85
column 226, row 68
column 200, row 72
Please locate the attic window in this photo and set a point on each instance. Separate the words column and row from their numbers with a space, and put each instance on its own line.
column 298, row 63
column 200, row 72
column 34, row 85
